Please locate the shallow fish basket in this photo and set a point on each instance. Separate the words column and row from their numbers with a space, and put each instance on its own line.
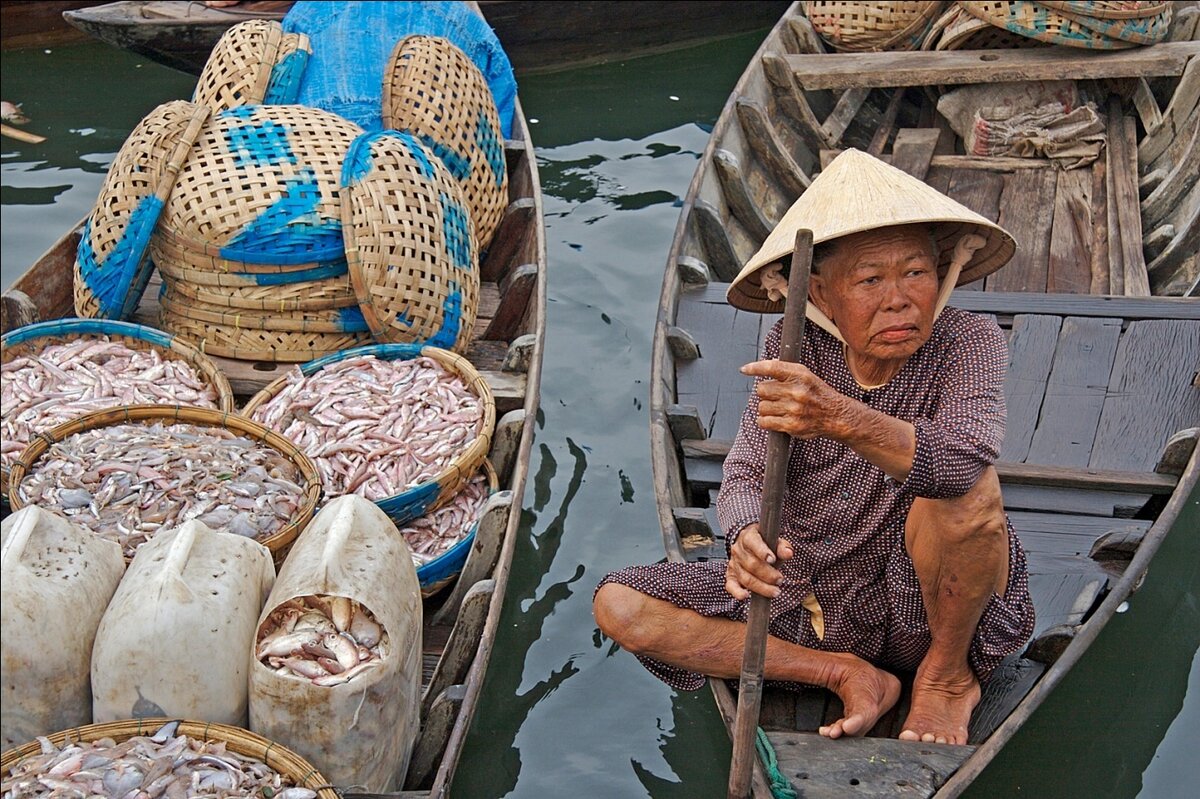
column 33, row 338
column 444, row 569
column 277, row 543
column 1036, row 21
column 335, row 320
column 411, row 248
column 111, row 270
column 277, row 757
column 253, row 62
column 249, row 344
column 432, row 494
column 1136, row 22
column 958, row 30
column 869, row 27
column 432, row 89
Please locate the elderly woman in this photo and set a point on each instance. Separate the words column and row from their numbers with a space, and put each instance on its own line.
column 895, row 553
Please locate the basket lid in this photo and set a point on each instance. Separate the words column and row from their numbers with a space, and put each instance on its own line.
column 1040, row 22
column 411, row 249
column 1144, row 28
column 253, row 62
column 111, row 269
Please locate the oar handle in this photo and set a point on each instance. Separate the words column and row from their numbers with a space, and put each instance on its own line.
column 774, row 487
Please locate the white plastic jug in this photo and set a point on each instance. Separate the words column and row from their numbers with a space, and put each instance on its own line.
column 57, row 579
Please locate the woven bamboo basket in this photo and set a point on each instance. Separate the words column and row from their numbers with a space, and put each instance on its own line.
column 337, row 320
column 287, row 283
column 277, row 543
column 247, row 344
column 1141, row 29
column 411, row 249
column 198, row 261
column 1040, row 22
column 261, row 188
column 253, row 62
column 869, row 27
column 431, row 495
column 277, row 757
column 315, row 295
column 1115, row 9
column 33, row 338
column 432, row 89
column 440, row 572
column 111, row 270
column 958, row 30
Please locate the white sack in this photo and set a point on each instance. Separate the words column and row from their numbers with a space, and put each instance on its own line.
column 175, row 638
column 56, row 581
column 360, row 732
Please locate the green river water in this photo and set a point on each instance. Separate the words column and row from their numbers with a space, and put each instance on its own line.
column 565, row 713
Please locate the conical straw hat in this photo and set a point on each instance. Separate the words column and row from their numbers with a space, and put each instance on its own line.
column 858, row 192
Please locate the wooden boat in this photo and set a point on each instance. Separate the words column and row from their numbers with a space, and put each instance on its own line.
column 506, row 347
column 1103, row 400
column 39, row 24
column 537, row 36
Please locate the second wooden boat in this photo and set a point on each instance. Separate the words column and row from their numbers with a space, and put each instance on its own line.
column 1099, row 458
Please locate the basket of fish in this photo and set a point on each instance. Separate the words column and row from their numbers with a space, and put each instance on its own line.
column 127, row 472
column 402, row 425
column 441, row 540
column 158, row 757
column 56, row 371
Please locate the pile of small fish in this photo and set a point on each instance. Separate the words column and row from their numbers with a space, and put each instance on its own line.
column 165, row 764
column 63, row 381
column 327, row 640
column 434, row 533
column 124, row 482
column 375, row 427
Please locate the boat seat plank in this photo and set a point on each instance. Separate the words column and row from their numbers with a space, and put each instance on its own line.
column 878, row 70
column 1023, row 203
column 1069, row 269
column 1108, row 504
column 1128, row 308
column 1031, row 353
column 1150, row 394
column 872, row 768
column 1059, row 543
column 1075, row 392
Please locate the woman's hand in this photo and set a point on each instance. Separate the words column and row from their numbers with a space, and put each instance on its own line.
column 793, row 400
column 751, row 565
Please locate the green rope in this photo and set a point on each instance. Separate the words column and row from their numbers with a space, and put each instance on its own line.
column 781, row 786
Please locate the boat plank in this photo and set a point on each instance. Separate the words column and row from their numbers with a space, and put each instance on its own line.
column 1031, row 354
column 821, row 768
column 978, row 189
column 913, row 148
column 1069, row 269
column 1023, row 203
column 1085, row 502
column 1003, row 691
column 1128, row 308
column 1150, row 394
column 1127, row 263
column 878, row 70
column 1075, row 392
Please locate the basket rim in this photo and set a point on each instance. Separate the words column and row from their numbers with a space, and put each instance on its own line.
column 1102, row 11
column 179, row 414
column 242, row 318
column 449, row 564
column 238, row 739
column 930, row 12
column 982, row 10
column 199, row 292
column 474, row 452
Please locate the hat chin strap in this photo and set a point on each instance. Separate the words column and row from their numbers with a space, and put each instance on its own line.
column 772, row 281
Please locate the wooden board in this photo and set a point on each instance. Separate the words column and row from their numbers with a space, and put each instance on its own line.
column 1027, row 195
column 1076, row 305
column 876, row 70
column 1031, row 353
column 1070, row 259
column 1058, row 543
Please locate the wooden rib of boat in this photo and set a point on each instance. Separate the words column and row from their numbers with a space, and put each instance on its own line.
column 506, row 347
column 1103, row 395
column 538, row 35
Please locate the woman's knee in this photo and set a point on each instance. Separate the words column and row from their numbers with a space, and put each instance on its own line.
column 618, row 611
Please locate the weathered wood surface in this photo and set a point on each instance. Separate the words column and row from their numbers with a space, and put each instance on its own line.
column 877, row 70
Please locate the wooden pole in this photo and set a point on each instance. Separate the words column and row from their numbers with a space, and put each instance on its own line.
column 21, row 135
column 774, row 485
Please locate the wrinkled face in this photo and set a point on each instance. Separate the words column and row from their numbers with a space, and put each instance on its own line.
column 880, row 287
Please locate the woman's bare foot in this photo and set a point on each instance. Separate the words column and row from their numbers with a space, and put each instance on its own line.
column 866, row 693
column 941, row 706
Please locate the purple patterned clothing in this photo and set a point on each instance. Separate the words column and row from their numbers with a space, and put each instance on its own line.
column 845, row 518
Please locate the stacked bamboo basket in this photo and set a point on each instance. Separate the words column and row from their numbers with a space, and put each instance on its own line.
column 849, row 26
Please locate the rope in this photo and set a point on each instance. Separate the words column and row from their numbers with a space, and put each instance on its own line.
column 781, row 786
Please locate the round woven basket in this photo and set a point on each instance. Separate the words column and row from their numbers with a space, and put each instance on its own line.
column 195, row 261
column 277, row 543
column 431, row 495
column 315, row 295
column 34, row 338
column 1141, row 29
column 410, row 246
column 1040, row 22
column 958, row 30
column 337, row 320
column 442, row 570
column 867, row 27
column 253, row 62
column 277, row 757
column 432, row 89
column 111, row 270
column 261, row 188
column 1115, row 9
column 248, row 344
